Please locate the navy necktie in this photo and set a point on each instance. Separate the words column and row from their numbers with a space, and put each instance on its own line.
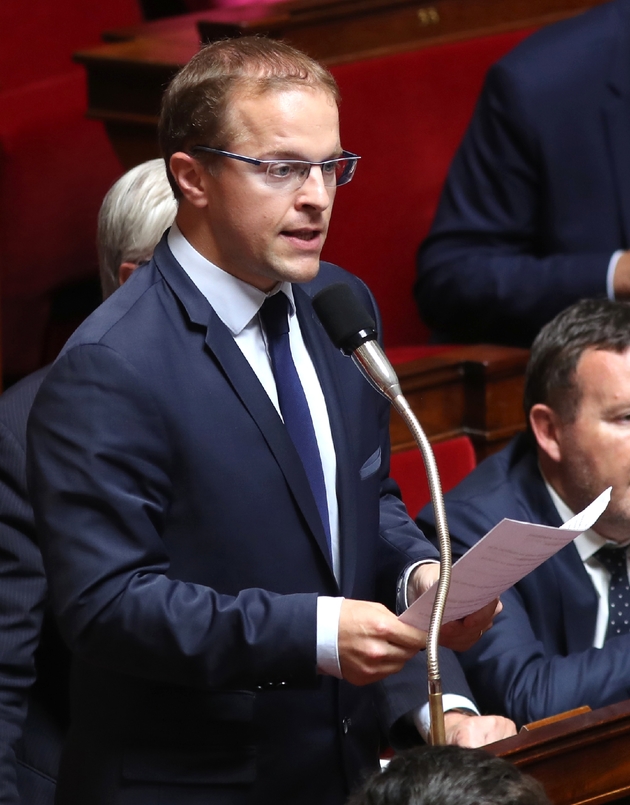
column 615, row 562
column 293, row 404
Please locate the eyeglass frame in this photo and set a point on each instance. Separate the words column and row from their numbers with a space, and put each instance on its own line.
column 345, row 155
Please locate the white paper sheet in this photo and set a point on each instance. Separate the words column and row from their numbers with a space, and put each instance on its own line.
column 507, row 553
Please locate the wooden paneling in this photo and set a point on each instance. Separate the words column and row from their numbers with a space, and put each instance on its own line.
column 358, row 29
column 127, row 76
column 472, row 390
column 579, row 761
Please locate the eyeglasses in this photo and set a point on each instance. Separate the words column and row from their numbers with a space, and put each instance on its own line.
column 290, row 174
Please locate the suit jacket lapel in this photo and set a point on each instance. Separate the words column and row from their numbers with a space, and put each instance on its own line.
column 247, row 387
column 579, row 600
column 325, row 359
column 616, row 113
column 575, row 589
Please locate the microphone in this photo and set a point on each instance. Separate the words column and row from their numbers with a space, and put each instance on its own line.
column 353, row 331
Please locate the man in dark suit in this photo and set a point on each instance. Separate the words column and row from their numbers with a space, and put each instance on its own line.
column 34, row 663
column 554, row 646
column 535, row 213
column 215, row 576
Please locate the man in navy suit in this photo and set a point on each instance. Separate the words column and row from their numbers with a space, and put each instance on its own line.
column 34, row 663
column 535, row 213
column 227, row 616
column 550, row 649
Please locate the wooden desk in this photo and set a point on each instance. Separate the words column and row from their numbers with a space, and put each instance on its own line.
column 583, row 760
column 472, row 390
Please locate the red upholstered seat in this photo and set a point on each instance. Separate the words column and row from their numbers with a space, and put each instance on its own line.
column 55, row 166
column 405, row 115
column 455, row 458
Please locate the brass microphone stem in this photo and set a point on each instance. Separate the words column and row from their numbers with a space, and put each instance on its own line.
column 374, row 364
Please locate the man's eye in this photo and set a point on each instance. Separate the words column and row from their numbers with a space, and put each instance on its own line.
column 329, row 168
column 281, row 170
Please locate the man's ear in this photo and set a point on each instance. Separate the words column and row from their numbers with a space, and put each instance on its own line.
column 125, row 271
column 191, row 178
column 546, row 426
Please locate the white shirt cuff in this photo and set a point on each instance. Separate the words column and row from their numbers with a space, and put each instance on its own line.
column 328, row 613
column 402, row 598
column 610, row 275
column 450, row 701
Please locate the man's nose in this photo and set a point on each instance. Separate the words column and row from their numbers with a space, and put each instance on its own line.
column 314, row 193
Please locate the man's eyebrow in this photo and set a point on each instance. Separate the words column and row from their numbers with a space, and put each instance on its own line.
column 620, row 408
column 279, row 155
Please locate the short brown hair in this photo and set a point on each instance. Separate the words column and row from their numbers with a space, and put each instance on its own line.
column 195, row 104
column 588, row 324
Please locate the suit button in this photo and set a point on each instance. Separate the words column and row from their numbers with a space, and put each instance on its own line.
column 346, row 724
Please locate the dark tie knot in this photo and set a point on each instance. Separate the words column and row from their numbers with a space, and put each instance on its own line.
column 613, row 558
column 274, row 314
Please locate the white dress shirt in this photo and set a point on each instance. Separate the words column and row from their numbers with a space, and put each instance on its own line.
column 587, row 545
column 610, row 274
column 237, row 304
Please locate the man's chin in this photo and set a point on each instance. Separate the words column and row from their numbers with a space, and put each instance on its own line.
column 614, row 525
column 301, row 271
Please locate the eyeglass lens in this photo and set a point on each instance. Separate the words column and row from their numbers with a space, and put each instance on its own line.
column 334, row 172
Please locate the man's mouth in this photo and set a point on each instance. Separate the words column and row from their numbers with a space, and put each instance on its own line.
column 302, row 234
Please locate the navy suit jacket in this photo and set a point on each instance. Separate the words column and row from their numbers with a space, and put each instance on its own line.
column 538, row 659
column 33, row 717
column 538, row 195
column 185, row 555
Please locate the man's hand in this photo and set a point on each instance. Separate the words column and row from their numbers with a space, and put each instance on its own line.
column 373, row 643
column 457, row 635
column 462, row 634
column 464, row 729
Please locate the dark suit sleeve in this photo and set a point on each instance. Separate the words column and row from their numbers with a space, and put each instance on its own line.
column 490, row 269
column 521, row 668
column 22, row 595
column 402, row 693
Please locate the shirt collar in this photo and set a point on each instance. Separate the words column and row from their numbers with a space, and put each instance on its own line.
column 234, row 301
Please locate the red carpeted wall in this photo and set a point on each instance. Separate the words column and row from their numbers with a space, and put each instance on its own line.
column 405, row 115
column 55, row 166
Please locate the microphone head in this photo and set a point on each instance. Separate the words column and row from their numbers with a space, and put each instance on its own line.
column 344, row 317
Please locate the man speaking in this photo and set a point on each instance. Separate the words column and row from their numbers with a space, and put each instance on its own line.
column 210, row 476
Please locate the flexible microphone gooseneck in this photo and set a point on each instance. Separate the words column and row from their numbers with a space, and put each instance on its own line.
column 353, row 331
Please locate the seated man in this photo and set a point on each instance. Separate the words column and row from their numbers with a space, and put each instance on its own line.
column 449, row 775
column 134, row 214
column 554, row 646
column 535, row 213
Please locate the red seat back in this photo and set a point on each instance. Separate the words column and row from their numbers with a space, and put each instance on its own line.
column 38, row 38
column 455, row 458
